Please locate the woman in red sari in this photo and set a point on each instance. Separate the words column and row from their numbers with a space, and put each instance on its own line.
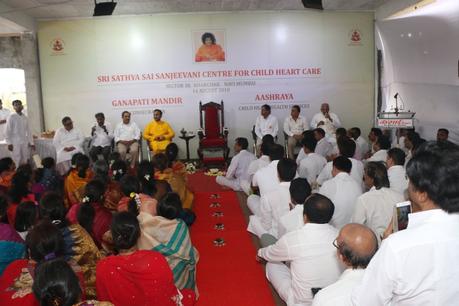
column 44, row 242
column 56, row 284
column 91, row 213
column 20, row 191
column 136, row 277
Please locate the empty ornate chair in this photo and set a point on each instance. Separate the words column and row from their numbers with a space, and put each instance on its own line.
column 213, row 136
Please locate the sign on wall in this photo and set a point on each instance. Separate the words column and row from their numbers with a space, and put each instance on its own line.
column 172, row 62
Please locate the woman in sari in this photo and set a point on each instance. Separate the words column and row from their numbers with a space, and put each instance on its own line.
column 130, row 186
column 136, row 277
column 7, row 170
column 56, row 284
column 79, row 245
column 26, row 217
column 77, row 178
column 20, row 191
column 177, row 181
column 209, row 51
column 12, row 246
column 91, row 213
column 113, row 193
column 44, row 242
column 169, row 235
column 177, row 166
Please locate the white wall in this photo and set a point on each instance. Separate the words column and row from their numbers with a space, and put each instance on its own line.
column 165, row 43
column 16, row 23
column 421, row 63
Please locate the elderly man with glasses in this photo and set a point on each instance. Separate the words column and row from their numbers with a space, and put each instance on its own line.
column 68, row 141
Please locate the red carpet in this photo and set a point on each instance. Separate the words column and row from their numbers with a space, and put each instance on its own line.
column 226, row 275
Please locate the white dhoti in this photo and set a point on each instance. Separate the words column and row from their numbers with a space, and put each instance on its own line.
column 255, row 226
column 279, row 276
column 253, row 202
column 230, row 183
column 245, row 186
column 20, row 153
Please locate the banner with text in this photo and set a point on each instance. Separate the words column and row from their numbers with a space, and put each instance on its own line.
column 174, row 61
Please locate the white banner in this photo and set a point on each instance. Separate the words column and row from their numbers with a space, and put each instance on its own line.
column 146, row 62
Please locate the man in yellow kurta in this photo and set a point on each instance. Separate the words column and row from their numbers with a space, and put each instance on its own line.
column 158, row 133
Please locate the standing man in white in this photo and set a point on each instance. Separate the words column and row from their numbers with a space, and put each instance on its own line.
column 68, row 141
column 237, row 170
column 265, row 124
column 4, row 113
column 18, row 135
column 326, row 120
column 294, row 126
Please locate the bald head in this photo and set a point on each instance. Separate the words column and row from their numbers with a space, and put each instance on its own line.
column 357, row 245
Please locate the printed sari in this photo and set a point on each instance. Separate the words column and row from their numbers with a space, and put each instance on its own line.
column 171, row 238
column 80, row 248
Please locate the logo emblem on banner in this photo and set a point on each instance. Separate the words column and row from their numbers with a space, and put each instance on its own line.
column 355, row 37
column 57, row 46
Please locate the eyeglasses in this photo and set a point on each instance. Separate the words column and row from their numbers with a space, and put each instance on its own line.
column 335, row 244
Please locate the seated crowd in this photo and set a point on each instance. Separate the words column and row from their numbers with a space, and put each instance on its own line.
column 327, row 220
column 103, row 234
column 104, row 230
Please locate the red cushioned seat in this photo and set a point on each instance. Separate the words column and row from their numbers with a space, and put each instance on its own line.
column 213, row 136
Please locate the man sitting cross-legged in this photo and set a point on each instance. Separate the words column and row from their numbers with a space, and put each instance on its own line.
column 310, row 253
column 275, row 203
column 237, row 170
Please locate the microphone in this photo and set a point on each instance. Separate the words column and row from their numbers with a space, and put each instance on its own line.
column 396, row 95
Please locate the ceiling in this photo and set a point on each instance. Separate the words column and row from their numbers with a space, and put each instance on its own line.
column 51, row 9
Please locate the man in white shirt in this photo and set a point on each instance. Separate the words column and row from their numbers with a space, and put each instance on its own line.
column 4, row 113
column 254, row 166
column 68, row 141
column 372, row 137
column 127, row 136
column 356, row 244
column 375, row 208
column 417, row 266
column 342, row 190
column 275, row 203
column 294, row 126
column 266, row 124
column 18, row 135
column 355, row 133
column 293, row 220
column 310, row 253
column 396, row 171
column 102, row 136
column 323, row 147
column 266, row 178
column 380, row 147
column 237, row 170
column 326, row 120
column 346, row 148
column 312, row 164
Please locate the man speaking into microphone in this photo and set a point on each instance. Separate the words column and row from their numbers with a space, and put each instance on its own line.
column 102, row 136
column 326, row 120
